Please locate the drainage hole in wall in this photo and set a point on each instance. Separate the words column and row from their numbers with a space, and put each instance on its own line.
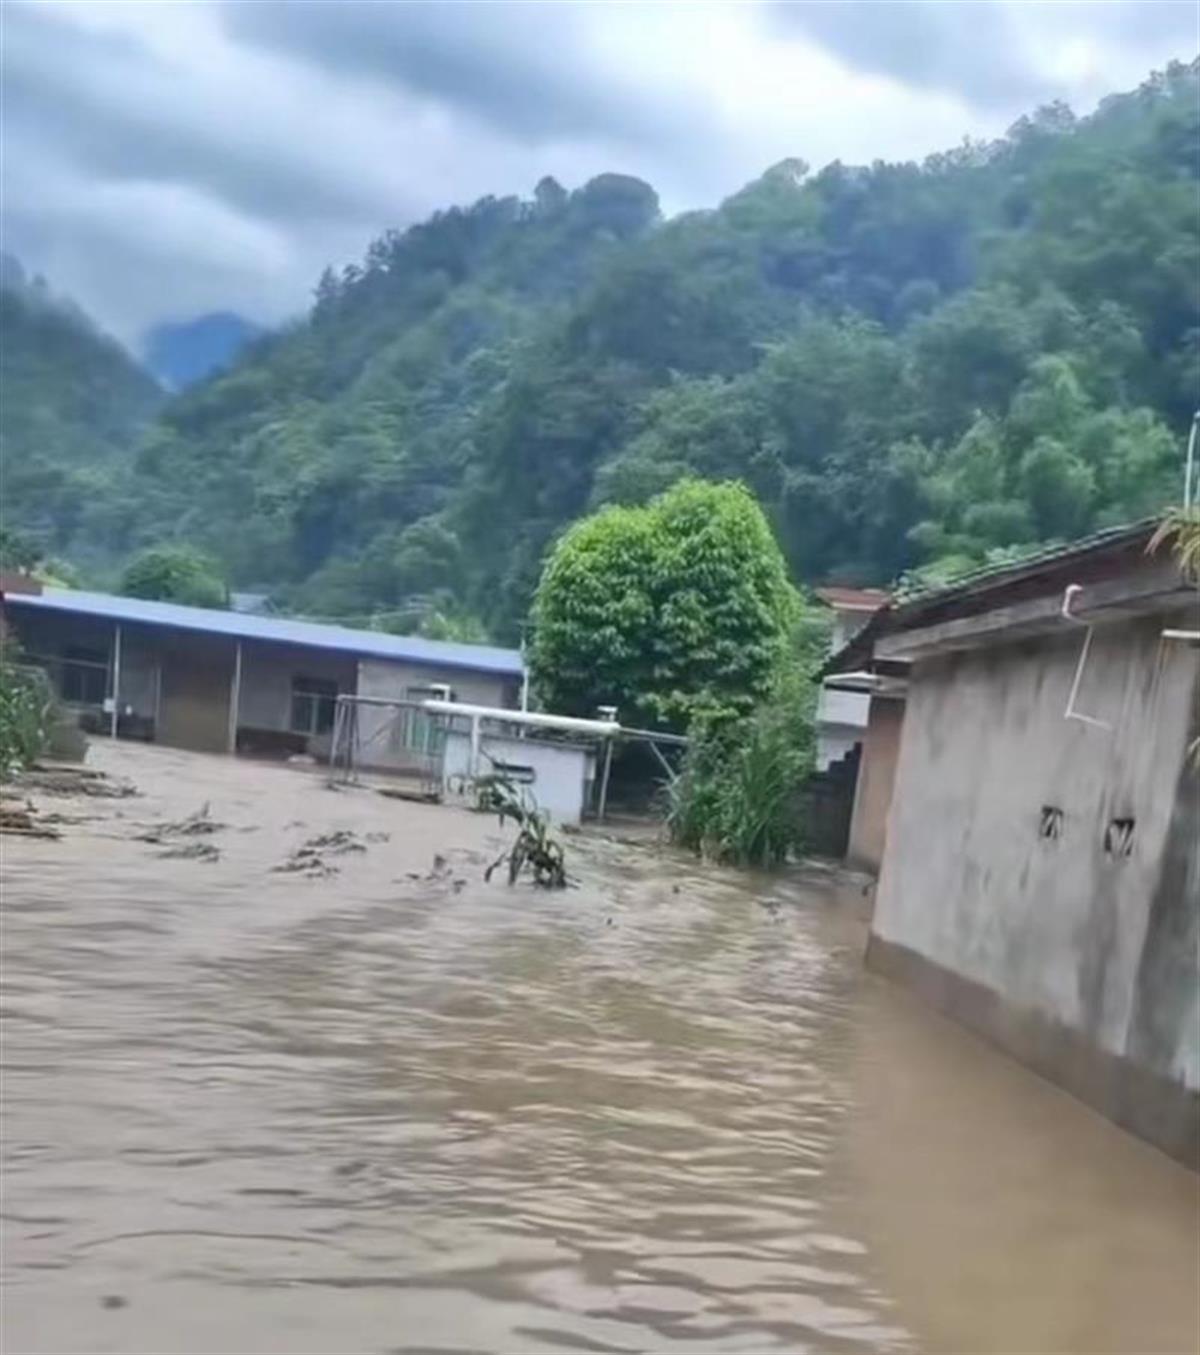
column 1118, row 837
column 1051, row 824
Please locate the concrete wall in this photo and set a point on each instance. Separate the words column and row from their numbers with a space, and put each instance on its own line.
column 267, row 674
column 197, row 679
column 841, row 720
column 998, row 897
column 268, row 670
column 876, row 777
column 392, row 744
column 560, row 774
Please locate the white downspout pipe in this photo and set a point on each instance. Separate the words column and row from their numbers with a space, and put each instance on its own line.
column 1068, row 615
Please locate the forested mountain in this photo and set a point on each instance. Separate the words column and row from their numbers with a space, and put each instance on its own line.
column 180, row 353
column 73, row 409
column 911, row 365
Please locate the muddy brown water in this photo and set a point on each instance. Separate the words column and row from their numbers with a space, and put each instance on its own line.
column 250, row 1110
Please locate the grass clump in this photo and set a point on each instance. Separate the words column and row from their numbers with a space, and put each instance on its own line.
column 737, row 799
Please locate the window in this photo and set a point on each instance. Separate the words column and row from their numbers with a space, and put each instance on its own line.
column 84, row 679
column 313, row 702
column 418, row 731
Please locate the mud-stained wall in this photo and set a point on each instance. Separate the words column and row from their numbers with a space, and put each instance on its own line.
column 876, row 778
column 265, row 695
column 197, row 677
column 1040, row 877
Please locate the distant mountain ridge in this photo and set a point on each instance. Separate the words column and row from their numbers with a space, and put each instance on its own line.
column 73, row 407
column 181, row 353
column 913, row 366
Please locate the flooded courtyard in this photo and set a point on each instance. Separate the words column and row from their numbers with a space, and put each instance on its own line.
column 368, row 1102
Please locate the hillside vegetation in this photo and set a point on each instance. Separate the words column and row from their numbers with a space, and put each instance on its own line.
column 912, row 367
column 74, row 407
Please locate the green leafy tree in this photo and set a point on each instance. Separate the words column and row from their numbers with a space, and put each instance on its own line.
column 904, row 362
column 174, row 574
column 670, row 610
column 18, row 551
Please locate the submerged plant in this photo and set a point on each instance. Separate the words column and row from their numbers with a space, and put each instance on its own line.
column 534, row 848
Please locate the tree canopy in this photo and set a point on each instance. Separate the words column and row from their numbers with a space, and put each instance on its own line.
column 670, row 610
column 909, row 364
column 73, row 406
column 174, row 574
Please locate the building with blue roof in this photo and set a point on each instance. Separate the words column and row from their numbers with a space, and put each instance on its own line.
column 229, row 681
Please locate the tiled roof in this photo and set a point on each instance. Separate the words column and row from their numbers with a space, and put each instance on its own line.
column 852, row 599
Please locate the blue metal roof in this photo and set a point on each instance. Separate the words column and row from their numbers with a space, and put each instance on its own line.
column 276, row 629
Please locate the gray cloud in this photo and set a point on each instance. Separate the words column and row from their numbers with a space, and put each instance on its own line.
column 160, row 160
column 526, row 68
column 103, row 101
column 961, row 48
column 991, row 53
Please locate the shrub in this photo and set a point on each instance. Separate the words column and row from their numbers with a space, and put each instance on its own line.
column 26, row 711
column 174, row 574
column 737, row 798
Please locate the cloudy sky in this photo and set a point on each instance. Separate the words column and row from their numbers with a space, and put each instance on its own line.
column 161, row 160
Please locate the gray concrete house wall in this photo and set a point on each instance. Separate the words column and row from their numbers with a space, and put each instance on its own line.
column 1041, row 878
column 876, row 778
column 400, row 744
column 197, row 679
column 269, row 672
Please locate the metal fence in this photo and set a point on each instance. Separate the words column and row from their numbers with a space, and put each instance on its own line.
column 392, row 737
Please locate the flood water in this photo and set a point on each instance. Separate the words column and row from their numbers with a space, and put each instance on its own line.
column 391, row 1108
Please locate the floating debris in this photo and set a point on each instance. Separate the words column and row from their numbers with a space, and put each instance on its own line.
column 309, row 857
column 199, row 824
column 336, row 843
column 419, row 797
column 67, row 779
column 23, row 821
column 305, row 861
column 192, row 851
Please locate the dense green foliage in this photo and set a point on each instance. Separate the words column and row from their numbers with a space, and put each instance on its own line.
column 174, row 574
column 670, row 611
column 911, row 366
column 27, row 710
column 1180, row 531
column 737, row 799
column 73, row 407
